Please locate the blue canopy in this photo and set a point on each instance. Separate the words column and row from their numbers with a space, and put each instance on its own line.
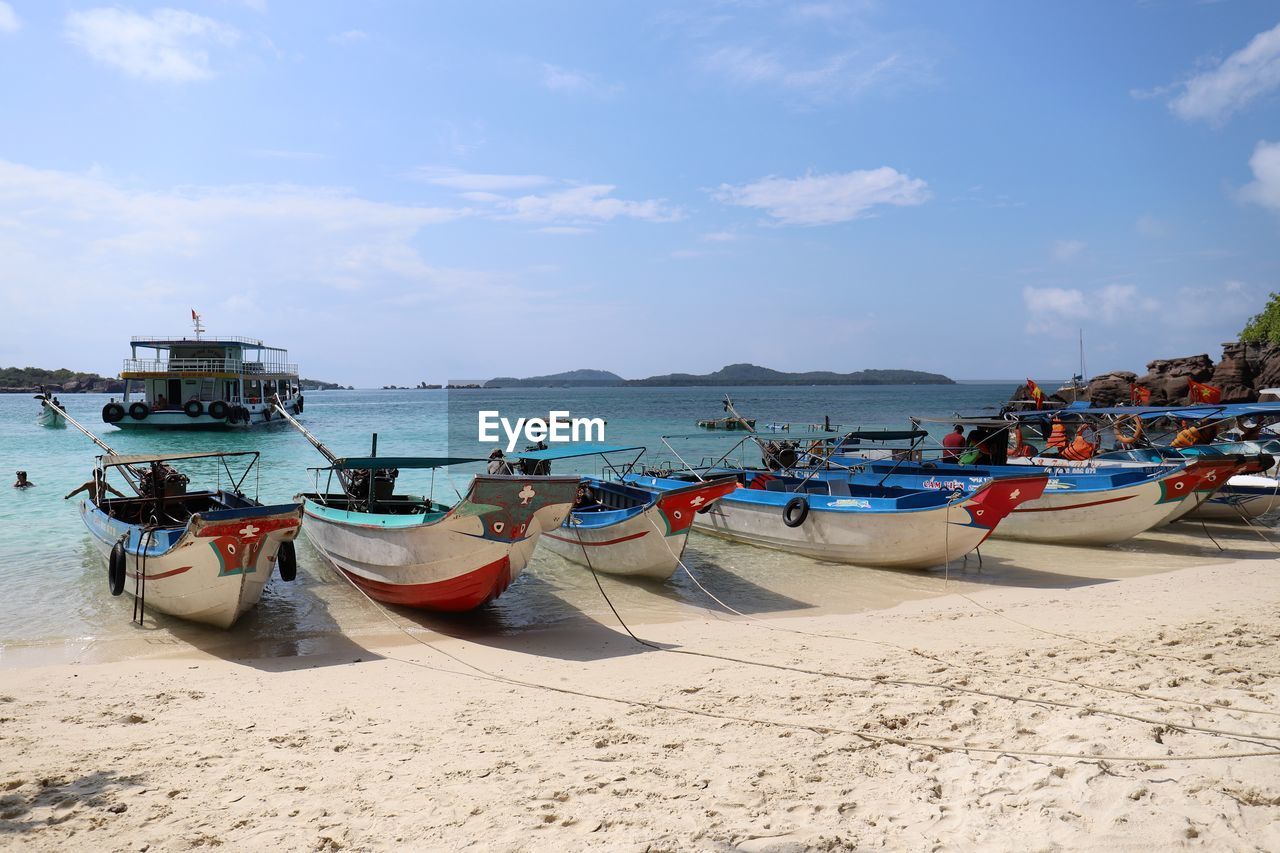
column 374, row 463
column 1191, row 412
column 572, row 451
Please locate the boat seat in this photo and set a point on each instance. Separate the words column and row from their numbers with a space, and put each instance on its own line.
column 839, row 488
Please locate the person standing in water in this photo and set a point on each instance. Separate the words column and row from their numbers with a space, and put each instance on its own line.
column 96, row 487
column 23, row 482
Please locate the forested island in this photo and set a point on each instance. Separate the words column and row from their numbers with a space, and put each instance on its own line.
column 733, row 374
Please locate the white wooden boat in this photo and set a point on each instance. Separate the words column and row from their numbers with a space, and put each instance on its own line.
column 834, row 520
column 413, row 551
column 204, row 556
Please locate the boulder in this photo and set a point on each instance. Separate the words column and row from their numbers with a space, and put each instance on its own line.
column 1237, row 372
column 1167, row 378
column 1110, row 389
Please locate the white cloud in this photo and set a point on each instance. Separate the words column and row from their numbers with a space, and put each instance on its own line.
column 1061, row 310
column 719, row 237
column 169, row 45
column 9, row 21
column 573, row 82
column 349, row 37
column 568, row 230
column 1150, row 226
column 1249, row 73
column 479, row 181
column 593, row 202
column 1065, row 250
column 826, row 199
column 1265, row 163
column 562, row 203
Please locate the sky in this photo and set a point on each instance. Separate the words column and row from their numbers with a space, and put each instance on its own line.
column 405, row 191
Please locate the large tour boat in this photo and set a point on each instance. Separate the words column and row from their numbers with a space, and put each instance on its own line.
column 201, row 381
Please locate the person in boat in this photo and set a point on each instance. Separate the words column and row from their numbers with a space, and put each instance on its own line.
column 161, row 402
column 585, row 498
column 953, row 444
column 23, row 482
column 97, row 487
column 498, row 463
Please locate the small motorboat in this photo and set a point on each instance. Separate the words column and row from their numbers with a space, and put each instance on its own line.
column 621, row 528
column 204, row 556
column 50, row 414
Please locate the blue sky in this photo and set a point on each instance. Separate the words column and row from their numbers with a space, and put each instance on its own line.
column 405, row 191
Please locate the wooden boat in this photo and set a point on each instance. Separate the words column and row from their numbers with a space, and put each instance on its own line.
column 204, row 556
column 732, row 421
column 198, row 381
column 416, row 552
column 50, row 416
column 620, row 528
column 413, row 551
column 1077, row 507
column 881, row 526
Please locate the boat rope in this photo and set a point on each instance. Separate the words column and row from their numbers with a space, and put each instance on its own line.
column 482, row 674
column 763, row 623
column 911, row 683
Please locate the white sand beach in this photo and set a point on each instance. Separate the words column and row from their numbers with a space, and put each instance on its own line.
column 1103, row 717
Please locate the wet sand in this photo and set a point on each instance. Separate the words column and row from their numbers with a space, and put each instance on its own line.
column 1057, row 698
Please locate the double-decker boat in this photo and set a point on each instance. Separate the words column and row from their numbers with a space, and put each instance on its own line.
column 203, row 382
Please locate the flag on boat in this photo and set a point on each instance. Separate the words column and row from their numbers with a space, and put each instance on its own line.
column 194, row 315
column 1200, row 393
column 1036, row 394
column 1139, row 396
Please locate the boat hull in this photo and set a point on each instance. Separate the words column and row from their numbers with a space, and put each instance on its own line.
column 647, row 544
column 211, row 571
column 836, row 530
column 1245, row 497
column 452, row 561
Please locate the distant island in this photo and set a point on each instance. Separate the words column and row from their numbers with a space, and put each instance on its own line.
column 318, row 385
column 733, row 374
column 15, row 380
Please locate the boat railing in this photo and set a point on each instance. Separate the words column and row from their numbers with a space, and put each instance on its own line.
column 206, row 365
column 188, row 339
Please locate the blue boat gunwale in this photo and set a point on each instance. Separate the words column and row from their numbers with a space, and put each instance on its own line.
column 929, row 499
column 161, row 540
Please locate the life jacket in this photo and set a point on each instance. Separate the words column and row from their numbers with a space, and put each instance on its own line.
column 1057, row 435
column 1020, row 447
column 1187, row 437
column 1080, row 448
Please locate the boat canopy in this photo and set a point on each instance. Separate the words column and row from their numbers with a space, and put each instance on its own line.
column 573, row 451
column 886, row 434
column 116, row 460
column 377, row 463
column 1189, row 412
column 741, row 435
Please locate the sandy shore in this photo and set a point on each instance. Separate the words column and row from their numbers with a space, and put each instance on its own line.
column 1103, row 717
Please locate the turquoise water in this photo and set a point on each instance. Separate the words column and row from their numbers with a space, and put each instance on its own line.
column 55, row 584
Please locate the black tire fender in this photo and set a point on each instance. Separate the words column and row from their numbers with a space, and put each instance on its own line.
column 116, row 568
column 218, row 409
column 139, row 411
column 796, row 511
column 112, row 413
column 287, row 562
column 193, row 408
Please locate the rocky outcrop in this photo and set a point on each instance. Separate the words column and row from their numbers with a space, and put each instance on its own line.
column 1110, row 389
column 1244, row 371
column 1166, row 378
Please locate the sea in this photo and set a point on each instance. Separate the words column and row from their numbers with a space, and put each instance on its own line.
column 56, row 606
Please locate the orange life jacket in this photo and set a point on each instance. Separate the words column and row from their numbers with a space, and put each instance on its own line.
column 1057, row 435
column 1187, row 437
column 1080, row 448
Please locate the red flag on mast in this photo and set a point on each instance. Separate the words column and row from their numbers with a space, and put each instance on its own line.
column 1036, row 394
column 194, row 316
column 1198, row 392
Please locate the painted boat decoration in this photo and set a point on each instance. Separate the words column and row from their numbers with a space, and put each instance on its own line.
column 203, row 556
column 879, row 526
column 415, row 552
column 621, row 528
column 1077, row 507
